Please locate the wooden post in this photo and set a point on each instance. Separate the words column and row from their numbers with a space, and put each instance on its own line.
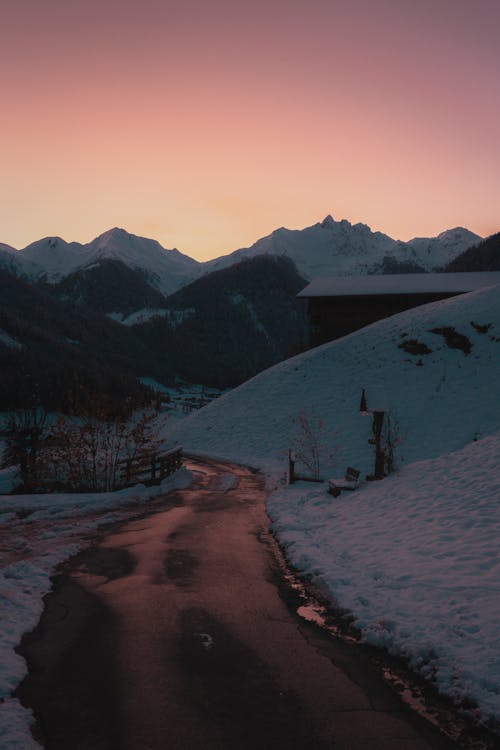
column 291, row 468
column 378, row 421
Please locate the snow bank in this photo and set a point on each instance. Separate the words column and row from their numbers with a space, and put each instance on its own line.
column 63, row 505
column 415, row 559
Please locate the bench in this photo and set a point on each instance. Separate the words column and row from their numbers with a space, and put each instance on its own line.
column 349, row 482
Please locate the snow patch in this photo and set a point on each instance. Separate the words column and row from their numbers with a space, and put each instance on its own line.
column 8, row 341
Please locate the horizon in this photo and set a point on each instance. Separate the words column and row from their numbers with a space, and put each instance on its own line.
column 229, row 252
column 209, row 127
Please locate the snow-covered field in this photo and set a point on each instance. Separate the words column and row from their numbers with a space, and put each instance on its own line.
column 414, row 557
column 36, row 533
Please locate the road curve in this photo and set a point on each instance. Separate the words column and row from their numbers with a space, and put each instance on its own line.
column 173, row 633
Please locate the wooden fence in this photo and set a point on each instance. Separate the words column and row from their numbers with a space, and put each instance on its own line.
column 149, row 468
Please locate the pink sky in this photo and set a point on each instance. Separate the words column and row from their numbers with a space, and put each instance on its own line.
column 207, row 124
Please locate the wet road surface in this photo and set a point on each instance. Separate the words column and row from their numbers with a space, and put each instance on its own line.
column 174, row 634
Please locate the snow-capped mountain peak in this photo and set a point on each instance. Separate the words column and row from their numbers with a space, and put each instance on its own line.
column 458, row 235
column 54, row 258
column 328, row 221
column 165, row 269
column 433, row 253
column 343, row 249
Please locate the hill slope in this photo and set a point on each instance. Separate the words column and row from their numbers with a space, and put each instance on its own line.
column 443, row 398
column 108, row 286
column 224, row 327
column 56, row 354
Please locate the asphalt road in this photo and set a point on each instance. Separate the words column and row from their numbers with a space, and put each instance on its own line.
column 173, row 633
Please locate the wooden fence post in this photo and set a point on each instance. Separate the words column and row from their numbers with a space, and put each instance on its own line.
column 291, row 467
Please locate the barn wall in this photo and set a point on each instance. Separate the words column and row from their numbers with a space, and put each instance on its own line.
column 333, row 317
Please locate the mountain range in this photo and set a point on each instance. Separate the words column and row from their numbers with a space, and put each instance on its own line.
column 339, row 248
column 327, row 248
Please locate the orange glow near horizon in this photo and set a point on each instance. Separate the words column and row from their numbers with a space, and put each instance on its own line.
column 206, row 126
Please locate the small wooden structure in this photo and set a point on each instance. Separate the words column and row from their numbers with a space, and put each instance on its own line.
column 349, row 482
column 292, row 474
column 149, row 468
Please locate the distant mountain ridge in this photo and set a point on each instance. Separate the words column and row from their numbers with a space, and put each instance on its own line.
column 339, row 248
column 52, row 259
column 327, row 248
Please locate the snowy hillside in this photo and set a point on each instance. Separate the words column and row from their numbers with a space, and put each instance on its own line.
column 443, row 398
column 8, row 258
column 341, row 248
column 6, row 250
column 436, row 252
column 13, row 262
column 54, row 257
column 413, row 559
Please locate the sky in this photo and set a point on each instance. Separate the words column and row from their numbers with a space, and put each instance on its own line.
column 206, row 124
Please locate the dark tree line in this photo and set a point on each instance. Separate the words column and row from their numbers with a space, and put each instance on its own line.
column 485, row 256
column 65, row 358
column 229, row 325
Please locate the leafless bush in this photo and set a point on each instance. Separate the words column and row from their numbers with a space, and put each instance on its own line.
column 79, row 454
column 309, row 444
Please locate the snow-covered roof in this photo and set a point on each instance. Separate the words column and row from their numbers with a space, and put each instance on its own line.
column 410, row 283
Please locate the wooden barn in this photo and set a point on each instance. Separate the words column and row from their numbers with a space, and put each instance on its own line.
column 338, row 305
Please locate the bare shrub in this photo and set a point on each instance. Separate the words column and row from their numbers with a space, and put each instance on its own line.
column 309, row 444
column 77, row 454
